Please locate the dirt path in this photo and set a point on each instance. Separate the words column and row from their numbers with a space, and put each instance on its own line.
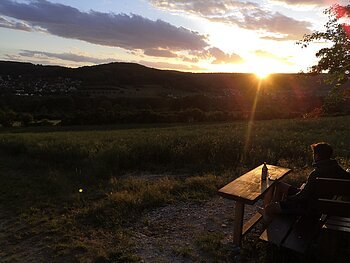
column 182, row 232
column 18, row 242
column 187, row 232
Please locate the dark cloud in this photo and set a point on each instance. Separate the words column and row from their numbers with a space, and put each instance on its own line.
column 63, row 56
column 247, row 15
column 109, row 29
column 14, row 24
column 173, row 66
column 160, row 53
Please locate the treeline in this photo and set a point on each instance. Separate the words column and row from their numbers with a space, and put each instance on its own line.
column 76, row 110
column 103, row 117
column 9, row 118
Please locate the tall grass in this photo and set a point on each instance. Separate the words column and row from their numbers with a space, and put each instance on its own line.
column 192, row 148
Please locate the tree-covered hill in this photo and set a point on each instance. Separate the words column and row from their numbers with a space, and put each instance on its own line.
column 131, row 74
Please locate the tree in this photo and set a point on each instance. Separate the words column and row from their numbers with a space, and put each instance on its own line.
column 335, row 60
column 26, row 119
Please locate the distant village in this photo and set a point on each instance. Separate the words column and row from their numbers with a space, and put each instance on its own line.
column 60, row 86
column 20, row 86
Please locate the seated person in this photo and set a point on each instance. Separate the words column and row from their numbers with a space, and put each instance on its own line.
column 291, row 200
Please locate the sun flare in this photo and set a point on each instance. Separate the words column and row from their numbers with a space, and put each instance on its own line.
column 262, row 74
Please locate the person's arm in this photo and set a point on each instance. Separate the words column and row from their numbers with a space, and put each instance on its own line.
column 307, row 190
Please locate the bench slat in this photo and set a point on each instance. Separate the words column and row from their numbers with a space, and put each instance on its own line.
column 344, row 219
column 337, row 223
column 336, row 228
column 302, row 233
column 330, row 186
column 334, row 207
column 278, row 229
column 251, row 223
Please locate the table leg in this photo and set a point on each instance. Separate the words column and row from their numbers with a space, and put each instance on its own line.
column 238, row 223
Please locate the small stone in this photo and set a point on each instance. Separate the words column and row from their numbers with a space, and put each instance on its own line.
column 224, row 225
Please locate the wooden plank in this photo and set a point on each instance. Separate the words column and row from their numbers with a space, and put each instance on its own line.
column 331, row 186
column 302, row 233
column 249, row 187
column 337, row 223
column 251, row 223
column 278, row 229
column 336, row 228
column 345, row 219
column 334, row 207
column 238, row 223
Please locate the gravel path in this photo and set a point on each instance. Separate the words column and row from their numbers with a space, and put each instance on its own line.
column 180, row 232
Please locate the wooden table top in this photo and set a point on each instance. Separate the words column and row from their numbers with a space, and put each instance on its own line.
column 249, row 187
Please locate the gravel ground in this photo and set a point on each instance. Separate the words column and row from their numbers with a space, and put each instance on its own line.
column 180, row 232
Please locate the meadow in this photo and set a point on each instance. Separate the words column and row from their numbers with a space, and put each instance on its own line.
column 77, row 189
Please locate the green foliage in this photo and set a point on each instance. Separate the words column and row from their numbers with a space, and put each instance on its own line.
column 334, row 59
column 7, row 118
column 26, row 119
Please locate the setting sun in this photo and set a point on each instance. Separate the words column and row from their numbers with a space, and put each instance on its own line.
column 261, row 74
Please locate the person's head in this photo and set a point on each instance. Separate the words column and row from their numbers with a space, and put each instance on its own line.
column 321, row 151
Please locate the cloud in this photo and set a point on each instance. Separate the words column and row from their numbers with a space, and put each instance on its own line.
column 206, row 8
column 14, row 25
column 139, row 35
column 216, row 55
column 221, row 57
column 247, row 15
column 269, row 55
column 63, row 56
column 43, row 61
column 311, row 2
column 109, row 29
column 172, row 66
column 160, row 53
column 285, row 27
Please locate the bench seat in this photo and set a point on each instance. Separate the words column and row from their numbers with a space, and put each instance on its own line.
column 298, row 232
column 292, row 232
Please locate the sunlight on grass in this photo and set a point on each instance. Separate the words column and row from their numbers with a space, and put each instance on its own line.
column 251, row 120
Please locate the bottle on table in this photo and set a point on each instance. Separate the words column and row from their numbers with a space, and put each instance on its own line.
column 264, row 172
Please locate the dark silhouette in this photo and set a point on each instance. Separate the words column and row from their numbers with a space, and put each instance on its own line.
column 288, row 199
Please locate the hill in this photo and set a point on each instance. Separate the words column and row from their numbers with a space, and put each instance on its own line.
column 130, row 74
column 127, row 92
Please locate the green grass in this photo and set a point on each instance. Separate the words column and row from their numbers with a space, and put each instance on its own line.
column 42, row 171
column 191, row 147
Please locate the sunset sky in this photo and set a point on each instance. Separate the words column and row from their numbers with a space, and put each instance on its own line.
column 193, row 35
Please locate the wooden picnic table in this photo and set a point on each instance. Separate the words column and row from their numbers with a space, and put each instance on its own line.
column 247, row 189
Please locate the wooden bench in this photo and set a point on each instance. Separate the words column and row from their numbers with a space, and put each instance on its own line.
column 298, row 232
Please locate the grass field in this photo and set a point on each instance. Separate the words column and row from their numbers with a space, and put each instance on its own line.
column 78, row 189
